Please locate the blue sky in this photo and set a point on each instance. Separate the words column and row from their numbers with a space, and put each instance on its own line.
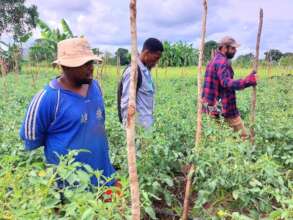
column 106, row 22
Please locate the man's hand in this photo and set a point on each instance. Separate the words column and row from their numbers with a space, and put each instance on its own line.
column 251, row 79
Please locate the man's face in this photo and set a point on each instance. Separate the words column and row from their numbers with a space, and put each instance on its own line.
column 150, row 59
column 231, row 51
column 82, row 74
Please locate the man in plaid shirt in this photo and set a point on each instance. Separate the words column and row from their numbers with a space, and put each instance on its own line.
column 220, row 87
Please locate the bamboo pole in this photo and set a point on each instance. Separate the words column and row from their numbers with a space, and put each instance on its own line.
column 255, row 67
column 199, row 109
column 130, row 126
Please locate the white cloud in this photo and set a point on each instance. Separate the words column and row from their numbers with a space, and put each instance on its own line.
column 106, row 22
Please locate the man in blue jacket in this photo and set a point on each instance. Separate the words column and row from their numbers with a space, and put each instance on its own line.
column 69, row 114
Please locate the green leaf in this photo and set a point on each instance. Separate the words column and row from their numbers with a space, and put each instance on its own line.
column 88, row 214
column 255, row 182
column 235, row 194
column 276, row 214
column 51, row 203
column 66, row 29
column 150, row 211
column 25, row 37
column 169, row 181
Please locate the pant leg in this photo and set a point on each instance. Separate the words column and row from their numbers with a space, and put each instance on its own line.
column 238, row 126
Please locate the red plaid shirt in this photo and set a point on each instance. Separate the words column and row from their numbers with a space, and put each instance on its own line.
column 219, row 87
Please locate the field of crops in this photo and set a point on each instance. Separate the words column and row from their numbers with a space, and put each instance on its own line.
column 233, row 180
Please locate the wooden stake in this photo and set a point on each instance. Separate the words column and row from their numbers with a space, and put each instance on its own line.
column 166, row 70
column 100, row 74
column 269, row 65
column 130, row 126
column 187, row 193
column 118, row 67
column 255, row 67
column 16, row 55
column 200, row 62
column 32, row 71
column 4, row 70
column 212, row 53
column 199, row 109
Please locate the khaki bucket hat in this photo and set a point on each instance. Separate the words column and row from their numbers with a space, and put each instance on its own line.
column 228, row 41
column 74, row 52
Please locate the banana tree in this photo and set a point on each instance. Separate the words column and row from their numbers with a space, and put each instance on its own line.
column 7, row 56
column 45, row 48
column 11, row 54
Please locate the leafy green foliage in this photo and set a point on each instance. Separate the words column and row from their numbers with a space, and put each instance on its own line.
column 9, row 55
column 208, row 47
column 232, row 180
column 123, row 55
column 45, row 48
column 286, row 61
column 178, row 54
column 273, row 55
column 245, row 60
column 17, row 18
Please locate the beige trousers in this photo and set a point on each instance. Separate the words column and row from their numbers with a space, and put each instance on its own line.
column 238, row 126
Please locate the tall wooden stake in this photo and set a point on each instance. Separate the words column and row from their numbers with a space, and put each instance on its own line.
column 200, row 62
column 100, row 74
column 118, row 67
column 199, row 109
column 16, row 57
column 255, row 67
column 4, row 70
column 130, row 127
column 269, row 64
column 212, row 53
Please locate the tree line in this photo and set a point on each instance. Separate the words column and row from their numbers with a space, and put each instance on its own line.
column 19, row 20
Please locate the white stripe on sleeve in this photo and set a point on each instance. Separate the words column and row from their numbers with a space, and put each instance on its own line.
column 29, row 112
column 33, row 137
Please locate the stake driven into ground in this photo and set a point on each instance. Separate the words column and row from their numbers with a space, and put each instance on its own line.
column 130, row 127
column 255, row 67
column 199, row 107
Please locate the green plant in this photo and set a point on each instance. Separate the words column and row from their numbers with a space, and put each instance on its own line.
column 231, row 177
column 45, row 48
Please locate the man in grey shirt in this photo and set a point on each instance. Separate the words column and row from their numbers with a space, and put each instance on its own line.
column 149, row 57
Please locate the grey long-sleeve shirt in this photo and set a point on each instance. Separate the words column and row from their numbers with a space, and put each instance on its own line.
column 144, row 97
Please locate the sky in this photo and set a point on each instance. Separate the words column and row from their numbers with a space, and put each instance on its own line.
column 106, row 22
